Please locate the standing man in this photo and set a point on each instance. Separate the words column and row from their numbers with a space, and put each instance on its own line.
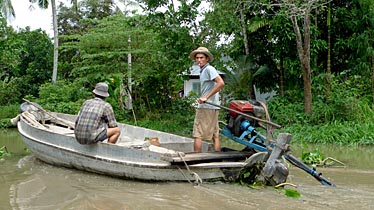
column 96, row 121
column 206, row 120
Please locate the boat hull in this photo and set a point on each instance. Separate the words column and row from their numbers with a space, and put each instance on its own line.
column 57, row 146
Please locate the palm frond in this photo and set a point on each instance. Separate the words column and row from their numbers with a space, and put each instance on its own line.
column 7, row 8
column 257, row 23
column 43, row 4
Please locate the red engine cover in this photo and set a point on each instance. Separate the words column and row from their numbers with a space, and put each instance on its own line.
column 241, row 106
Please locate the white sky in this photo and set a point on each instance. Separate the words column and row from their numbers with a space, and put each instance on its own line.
column 35, row 18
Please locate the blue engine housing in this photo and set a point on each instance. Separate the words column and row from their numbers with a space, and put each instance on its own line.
column 247, row 136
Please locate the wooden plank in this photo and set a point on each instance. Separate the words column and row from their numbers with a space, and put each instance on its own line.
column 274, row 170
column 210, row 156
column 219, row 165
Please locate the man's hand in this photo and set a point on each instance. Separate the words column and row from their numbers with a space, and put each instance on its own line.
column 202, row 100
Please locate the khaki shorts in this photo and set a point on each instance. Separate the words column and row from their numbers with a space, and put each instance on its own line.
column 206, row 124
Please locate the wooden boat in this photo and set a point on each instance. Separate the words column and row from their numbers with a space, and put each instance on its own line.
column 50, row 137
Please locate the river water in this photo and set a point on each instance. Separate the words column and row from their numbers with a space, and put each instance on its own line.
column 27, row 183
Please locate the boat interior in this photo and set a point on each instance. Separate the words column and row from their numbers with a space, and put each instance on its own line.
column 175, row 149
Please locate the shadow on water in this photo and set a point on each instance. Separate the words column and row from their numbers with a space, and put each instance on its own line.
column 27, row 183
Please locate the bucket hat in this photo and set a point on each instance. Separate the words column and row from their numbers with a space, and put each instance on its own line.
column 203, row 50
column 101, row 89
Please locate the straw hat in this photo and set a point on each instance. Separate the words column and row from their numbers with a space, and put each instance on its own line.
column 203, row 50
column 101, row 89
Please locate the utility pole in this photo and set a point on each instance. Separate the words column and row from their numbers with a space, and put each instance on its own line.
column 129, row 79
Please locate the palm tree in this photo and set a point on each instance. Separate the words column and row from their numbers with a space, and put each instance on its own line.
column 43, row 4
column 241, row 82
column 7, row 8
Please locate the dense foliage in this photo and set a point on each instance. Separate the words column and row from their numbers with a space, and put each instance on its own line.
column 25, row 63
column 254, row 43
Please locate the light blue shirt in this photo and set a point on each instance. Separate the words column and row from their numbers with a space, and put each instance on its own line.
column 207, row 75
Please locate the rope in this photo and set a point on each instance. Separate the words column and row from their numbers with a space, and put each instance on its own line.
column 331, row 163
column 198, row 180
column 285, row 183
column 185, row 175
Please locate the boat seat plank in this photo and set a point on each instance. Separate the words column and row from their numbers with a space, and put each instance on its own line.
column 219, row 165
column 209, row 156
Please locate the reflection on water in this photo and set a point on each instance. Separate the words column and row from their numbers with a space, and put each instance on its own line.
column 12, row 140
column 26, row 183
column 354, row 157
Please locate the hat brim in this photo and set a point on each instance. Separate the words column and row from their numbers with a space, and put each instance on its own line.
column 193, row 54
column 100, row 93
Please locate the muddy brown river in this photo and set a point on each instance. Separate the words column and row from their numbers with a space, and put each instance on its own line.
column 27, row 183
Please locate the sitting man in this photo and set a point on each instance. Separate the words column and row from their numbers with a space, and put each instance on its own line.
column 96, row 121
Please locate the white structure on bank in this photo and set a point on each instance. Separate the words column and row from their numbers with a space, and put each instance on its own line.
column 193, row 84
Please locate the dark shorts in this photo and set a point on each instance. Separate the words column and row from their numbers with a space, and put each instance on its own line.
column 102, row 136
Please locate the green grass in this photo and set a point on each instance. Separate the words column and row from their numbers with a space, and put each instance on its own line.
column 342, row 133
column 9, row 111
column 171, row 123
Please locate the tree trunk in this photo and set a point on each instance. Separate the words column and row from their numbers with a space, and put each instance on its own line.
column 304, row 56
column 55, row 48
column 244, row 31
column 328, row 72
column 372, row 75
column 281, row 76
column 251, row 88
